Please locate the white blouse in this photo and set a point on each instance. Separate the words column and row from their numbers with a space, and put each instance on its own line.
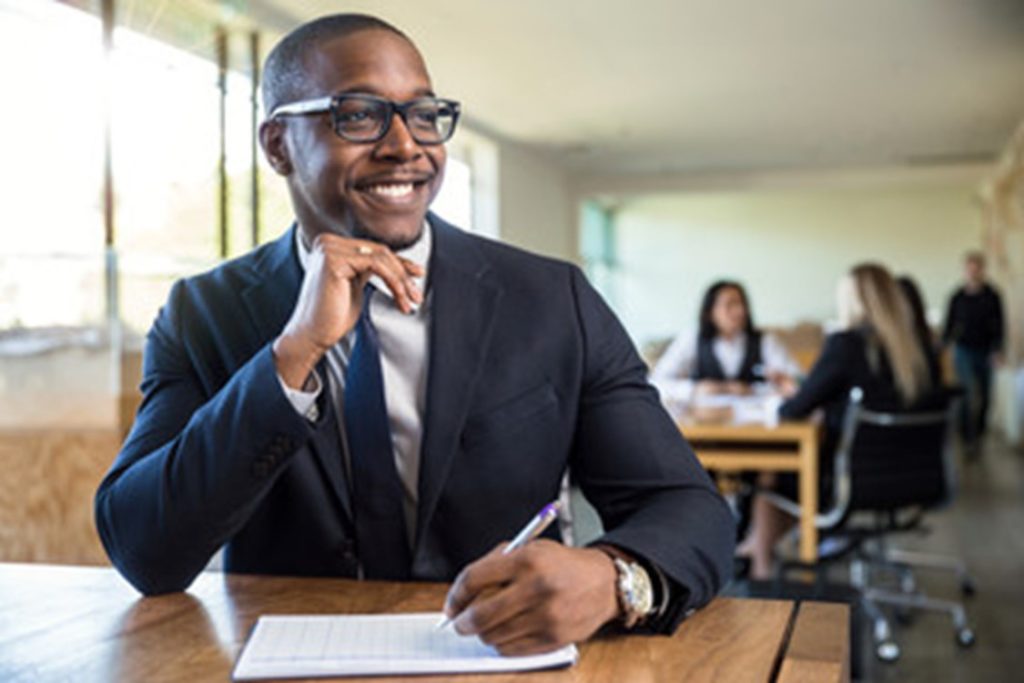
column 680, row 358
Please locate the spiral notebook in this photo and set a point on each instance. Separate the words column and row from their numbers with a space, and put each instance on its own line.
column 296, row 646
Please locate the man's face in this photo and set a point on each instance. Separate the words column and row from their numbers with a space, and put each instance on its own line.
column 379, row 190
column 974, row 271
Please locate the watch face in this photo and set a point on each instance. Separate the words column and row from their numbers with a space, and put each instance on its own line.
column 644, row 590
column 635, row 591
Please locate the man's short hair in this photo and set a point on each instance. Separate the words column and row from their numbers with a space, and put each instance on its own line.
column 284, row 72
column 975, row 257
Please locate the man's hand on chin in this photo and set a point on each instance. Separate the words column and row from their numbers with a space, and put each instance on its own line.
column 538, row 598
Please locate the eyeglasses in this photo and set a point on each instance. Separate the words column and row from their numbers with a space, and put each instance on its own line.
column 367, row 118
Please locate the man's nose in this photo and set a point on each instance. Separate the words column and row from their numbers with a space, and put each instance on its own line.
column 399, row 143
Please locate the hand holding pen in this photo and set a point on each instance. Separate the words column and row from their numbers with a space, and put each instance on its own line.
column 534, row 528
column 531, row 597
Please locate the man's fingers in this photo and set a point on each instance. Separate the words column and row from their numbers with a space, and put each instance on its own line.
column 491, row 609
column 361, row 256
column 517, row 626
column 528, row 606
column 528, row 645
column 403, row 289
column 413, row 268
column 490, row 571
column 383, row 263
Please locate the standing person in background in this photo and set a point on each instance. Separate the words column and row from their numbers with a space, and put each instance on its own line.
column 974, row 326
column 728, row 353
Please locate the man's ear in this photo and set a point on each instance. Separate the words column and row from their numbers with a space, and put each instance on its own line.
column 274, row 147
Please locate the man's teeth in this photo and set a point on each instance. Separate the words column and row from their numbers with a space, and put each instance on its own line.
column 391, row 189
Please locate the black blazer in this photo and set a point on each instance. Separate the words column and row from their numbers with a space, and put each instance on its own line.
column 843, row 364
column 529, row 373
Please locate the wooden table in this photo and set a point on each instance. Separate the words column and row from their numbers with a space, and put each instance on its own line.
column 786, row 447
column 87, row 624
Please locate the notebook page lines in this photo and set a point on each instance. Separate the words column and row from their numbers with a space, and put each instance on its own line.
column 411, row 637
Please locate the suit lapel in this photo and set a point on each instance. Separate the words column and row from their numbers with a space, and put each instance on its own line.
column 464, row 301
column 270, row 301
column 271, row 298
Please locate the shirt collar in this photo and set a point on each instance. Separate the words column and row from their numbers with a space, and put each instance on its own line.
column 418, row 253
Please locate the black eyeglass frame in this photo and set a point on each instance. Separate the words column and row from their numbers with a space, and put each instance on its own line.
column 329, row 104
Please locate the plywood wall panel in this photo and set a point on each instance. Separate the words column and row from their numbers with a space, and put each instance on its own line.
column 46, row 490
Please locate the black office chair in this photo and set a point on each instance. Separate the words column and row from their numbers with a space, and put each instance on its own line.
column 890, row 467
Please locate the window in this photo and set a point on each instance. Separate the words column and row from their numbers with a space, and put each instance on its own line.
column 598, row 248
column 166, row 144
column 51, row 245
column 165, row 137
column 165, row 110
column 454, row 201
column 469, row 196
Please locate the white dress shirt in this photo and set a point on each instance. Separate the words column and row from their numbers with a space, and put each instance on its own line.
column 403, row 342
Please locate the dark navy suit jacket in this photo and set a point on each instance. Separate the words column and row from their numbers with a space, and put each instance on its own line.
column 529, row 373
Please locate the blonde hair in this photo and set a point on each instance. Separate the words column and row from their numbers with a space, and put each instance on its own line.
column 869, row 296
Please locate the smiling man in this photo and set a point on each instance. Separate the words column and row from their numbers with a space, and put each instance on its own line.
column 380, row 395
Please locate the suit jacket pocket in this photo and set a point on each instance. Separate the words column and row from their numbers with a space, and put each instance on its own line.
column 512, row 415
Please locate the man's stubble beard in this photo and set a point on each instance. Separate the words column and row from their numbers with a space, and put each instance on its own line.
column 394, row 244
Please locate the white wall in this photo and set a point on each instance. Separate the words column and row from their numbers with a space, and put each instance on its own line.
column 536, row 210
column 788, row 245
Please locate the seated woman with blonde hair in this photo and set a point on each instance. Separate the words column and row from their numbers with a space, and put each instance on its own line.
column 728, row 353
column 877, row 349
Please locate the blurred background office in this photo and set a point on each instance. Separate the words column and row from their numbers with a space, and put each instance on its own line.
column 662, row 145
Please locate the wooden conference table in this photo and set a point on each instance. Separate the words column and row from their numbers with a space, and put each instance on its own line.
column 786, row 447
column 87, row 624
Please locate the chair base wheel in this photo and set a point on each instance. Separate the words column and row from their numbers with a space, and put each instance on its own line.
column 887, row 651
column 965, row 637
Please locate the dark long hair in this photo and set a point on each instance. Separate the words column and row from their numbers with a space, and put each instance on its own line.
column 924, row 333
column 916, row 302
column 707, row 330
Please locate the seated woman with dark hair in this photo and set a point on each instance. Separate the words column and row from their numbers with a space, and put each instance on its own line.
column 728, row 353
column 879, row 350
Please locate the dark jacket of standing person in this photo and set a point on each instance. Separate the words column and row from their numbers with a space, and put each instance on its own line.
column 975, row 319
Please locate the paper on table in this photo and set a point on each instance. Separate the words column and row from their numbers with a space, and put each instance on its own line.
column 359, row 645
column 762, row 407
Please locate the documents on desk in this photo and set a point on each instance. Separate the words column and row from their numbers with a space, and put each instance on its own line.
column 759, row 407
column 289, row 646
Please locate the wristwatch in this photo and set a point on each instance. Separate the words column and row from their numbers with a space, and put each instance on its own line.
column 636, row 594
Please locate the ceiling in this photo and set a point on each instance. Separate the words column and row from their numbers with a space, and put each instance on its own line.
column 682, row 85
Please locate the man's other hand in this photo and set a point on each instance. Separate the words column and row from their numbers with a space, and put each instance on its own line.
column 537, row 598
column 332, row 296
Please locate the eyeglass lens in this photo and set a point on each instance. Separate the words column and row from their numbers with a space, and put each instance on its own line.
column 364, row 119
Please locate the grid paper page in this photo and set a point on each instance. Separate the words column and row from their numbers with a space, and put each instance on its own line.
column 338, row 645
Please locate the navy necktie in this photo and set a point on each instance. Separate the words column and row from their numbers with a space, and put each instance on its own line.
column 376, row 490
